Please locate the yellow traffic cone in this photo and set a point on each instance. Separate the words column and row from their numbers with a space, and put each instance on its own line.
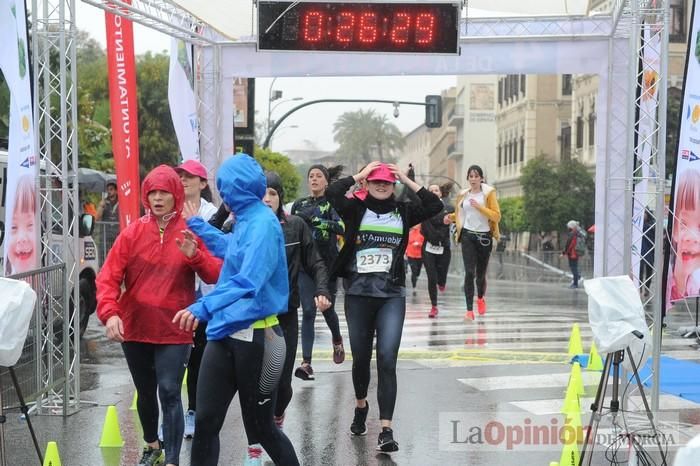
column 595, row 362
column 111, row 437
column 51, row 457
column 569, row 454
column 577, row 378
column 571, row 402
column 575, row 345
column 133, row 402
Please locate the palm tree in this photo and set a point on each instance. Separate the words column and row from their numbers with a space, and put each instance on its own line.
column 364, row 135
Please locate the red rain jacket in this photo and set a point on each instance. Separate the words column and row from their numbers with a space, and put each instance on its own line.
column 414, row 249
column 157, row 279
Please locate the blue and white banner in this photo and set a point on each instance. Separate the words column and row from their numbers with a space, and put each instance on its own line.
column 183, row 104
column 20, row 248
column 683, row 272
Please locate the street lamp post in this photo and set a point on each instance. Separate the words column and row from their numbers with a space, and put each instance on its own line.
column 280, row 130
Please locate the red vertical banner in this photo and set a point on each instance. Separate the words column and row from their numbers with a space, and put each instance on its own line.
column 123, row 111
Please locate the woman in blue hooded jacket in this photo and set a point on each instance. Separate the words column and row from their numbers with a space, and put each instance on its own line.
column 246, row 349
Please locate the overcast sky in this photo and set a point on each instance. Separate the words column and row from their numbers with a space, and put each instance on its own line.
column 314, row 123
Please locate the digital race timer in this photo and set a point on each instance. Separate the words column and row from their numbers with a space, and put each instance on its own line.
column 359, row 27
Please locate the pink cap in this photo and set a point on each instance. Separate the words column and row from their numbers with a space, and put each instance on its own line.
column 193, row 168
column 382, row 173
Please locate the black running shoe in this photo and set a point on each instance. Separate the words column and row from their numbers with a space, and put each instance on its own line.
column 152, row 456
column 386, row 442
column 358, row 426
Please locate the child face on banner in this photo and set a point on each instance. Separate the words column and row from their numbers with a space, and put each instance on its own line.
column 21, row 250
column 687, row 239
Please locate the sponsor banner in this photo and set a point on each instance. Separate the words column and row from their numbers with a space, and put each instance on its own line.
column 646, row 130
column 682, row 274
column 183, row 105
column 124, row 115
column 21, row 238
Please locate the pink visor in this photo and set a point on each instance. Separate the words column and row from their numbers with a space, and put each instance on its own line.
column 382, row 173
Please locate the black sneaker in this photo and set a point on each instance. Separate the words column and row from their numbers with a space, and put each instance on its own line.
column 386, row 442
column 358, row 426
column 152, row 456
column 305, row 371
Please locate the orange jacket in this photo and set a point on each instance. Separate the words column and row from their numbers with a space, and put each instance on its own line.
column 414, row 249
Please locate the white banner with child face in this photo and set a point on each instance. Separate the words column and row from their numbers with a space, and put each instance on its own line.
column 20, row 246
column 683, row 274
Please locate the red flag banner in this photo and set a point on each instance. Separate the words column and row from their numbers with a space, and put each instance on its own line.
column 123, row 111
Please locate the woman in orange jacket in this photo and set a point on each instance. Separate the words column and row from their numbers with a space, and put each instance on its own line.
column 414, row 253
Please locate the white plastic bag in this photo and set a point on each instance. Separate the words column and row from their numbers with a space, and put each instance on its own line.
column 16, row 309
column 616, row 315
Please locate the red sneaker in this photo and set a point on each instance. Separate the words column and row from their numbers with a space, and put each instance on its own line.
column 469, row 315
column 481, row 306
column 441, row 288
column 433, row 312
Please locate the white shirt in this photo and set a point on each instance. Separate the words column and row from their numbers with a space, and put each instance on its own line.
column 472, row 219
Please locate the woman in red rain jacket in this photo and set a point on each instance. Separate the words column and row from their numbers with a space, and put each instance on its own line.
column 147, row 277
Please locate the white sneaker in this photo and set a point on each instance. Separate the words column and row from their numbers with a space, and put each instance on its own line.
column 189, row 424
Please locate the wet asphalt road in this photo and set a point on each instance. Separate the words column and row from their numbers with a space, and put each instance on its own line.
column 452, row 375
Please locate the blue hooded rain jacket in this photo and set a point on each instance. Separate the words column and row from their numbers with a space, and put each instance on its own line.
column 253, row 281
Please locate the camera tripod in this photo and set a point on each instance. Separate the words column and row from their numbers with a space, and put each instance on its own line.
column 612, row 361
column 25, row 410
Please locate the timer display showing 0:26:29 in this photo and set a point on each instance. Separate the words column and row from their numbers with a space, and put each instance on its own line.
column 367, row 27
column 361, row 27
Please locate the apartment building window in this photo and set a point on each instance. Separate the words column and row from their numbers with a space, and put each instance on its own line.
column 499, row 156
column 566, row 84
column 565, row 141
column 513, row 153
column 500, row 92
column 522, row 146
column 579, row 132
column 677, row 21
column 522, row 84
column 514, row 86
column 591, row 129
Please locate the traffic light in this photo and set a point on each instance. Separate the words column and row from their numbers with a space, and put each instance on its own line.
column 433, row 111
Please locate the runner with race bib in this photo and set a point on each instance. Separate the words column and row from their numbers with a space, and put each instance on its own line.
column 371, row 260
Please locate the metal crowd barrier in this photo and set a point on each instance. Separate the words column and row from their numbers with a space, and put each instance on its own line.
column 104, row 235
column 40, row 369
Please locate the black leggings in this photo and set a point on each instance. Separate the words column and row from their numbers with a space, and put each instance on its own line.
column 364, row 316
column 415, row 265
column 159, row 368
column 251, row 368
column 436, row 266
column 289, row 323
column 476, row 249
column 200, row 342
column 307, row 292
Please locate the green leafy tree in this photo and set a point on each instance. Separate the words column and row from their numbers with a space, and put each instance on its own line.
column 513, row 214
column 553, row 195
column 274, row 161
column 540, row 188
column 364, row 135
column 157, row 139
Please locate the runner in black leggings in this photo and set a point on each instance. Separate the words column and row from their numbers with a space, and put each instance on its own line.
column 436, row 252
column 376, row 233
column 246, row 348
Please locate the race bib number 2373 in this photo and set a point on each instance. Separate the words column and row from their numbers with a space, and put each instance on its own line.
column 374, row 260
